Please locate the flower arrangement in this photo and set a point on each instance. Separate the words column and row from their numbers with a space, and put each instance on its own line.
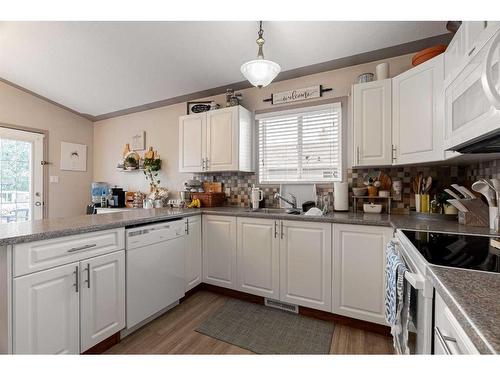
column 152, row 164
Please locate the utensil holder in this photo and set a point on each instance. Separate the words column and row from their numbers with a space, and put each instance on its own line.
column 424, row 203
column 418, row 202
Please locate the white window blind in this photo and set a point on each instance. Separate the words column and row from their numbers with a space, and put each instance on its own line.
column 301, row 146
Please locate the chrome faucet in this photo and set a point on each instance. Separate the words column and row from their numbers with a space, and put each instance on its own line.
column 292, row 202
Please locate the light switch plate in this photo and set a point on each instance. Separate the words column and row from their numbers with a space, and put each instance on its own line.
column 54, row 179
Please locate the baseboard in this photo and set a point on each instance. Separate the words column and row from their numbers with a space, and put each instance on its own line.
column 104, row 345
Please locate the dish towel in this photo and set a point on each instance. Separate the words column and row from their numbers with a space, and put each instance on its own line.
column 395, row 295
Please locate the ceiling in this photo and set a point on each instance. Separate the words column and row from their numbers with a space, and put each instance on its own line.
column 100, row 67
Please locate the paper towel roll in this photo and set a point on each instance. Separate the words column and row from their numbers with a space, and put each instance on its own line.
column 341, row 196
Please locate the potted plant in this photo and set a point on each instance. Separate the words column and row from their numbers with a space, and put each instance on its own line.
column 131, row 162
column 151, row 168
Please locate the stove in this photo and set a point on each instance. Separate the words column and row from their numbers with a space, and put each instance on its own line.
column 457, row 250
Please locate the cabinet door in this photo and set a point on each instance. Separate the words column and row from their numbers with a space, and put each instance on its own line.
column 219, row 250
column 306, row 264
column 46, row 312
column 372, row 123
column 472, row 31
column 193, row 252
column 192, row 142
column 102, row 302
column 258, row 256
column 418, row 113
column 454, row 55
column 222, row 139
column 359, row 271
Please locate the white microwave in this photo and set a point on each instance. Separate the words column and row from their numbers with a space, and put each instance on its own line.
column 472, row 99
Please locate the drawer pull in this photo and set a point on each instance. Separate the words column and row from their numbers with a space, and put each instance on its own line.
column 85, row 247
column 443, row 340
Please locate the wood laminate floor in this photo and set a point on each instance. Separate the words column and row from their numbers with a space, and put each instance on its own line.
column 174, row 333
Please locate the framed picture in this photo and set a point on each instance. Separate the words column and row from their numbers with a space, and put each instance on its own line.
column 73, row 157
column 198, row 107
column 138, row 141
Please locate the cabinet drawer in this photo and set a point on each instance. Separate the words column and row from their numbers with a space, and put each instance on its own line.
column 449, row 337
column 39, row 255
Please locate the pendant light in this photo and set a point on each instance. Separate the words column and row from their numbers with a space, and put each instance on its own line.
column 260, row 72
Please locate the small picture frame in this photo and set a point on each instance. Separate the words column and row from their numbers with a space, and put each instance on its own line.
column 138, row 141
column 198, row 107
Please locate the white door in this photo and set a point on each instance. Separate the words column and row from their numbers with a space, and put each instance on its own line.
column 372, row 123
column 193, row 252
column 359, row 271
column 306, row 264
column 46, row 312
column 222, row 139
column 102, row 302
column 192, row 142
column 418, row 113
column 219, row 250
column 258, row 256
column 21, row 177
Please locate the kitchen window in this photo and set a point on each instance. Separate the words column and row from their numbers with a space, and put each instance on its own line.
column 301, row 145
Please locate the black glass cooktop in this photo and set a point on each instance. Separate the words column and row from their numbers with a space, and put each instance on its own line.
column 457, row 250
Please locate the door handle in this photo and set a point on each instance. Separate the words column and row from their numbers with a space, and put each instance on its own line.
column 417, row 281
column 443, row 340
column 77, row 279
column 88, row 275
column 38, row 204
column 72, row 250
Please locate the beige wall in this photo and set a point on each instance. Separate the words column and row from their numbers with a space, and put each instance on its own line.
column 161, row 125
column 70, row 196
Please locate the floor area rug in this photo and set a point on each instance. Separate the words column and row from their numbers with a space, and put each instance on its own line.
column 265, row 330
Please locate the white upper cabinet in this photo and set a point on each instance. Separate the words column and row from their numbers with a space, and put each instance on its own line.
column 418, row 113
column 258, row 256
column 193, row 251
column 219, row 250
column 192, row 142
column 102, row 298
column 306, row 264
column 372, row 123
column 214, row 141
column 358, row 271
column 46, row 312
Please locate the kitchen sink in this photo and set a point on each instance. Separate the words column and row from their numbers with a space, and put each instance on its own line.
column 274, row 211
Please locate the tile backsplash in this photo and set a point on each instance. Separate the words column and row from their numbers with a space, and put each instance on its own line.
column 442, row 176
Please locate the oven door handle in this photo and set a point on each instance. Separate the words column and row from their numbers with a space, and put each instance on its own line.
column 416, row 280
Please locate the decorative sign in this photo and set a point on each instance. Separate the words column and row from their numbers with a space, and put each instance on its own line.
column 138, row 141
column 305, row 93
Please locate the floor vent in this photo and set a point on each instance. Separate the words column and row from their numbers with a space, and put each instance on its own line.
column 282, row 306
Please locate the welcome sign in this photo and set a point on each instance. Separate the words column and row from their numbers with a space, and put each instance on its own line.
column 297, row 95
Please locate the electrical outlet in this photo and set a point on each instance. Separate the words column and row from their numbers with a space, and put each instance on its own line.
column 228, row 192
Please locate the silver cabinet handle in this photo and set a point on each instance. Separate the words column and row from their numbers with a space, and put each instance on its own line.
column 357, row 155
column 394, row 154
column 472, row 51
column 275, row 228
column 281, row 229
column 85, row 247
column 202, row 164
column 77, row 279
column 187, row 226
column 206, row 164
column 443, row 340
column 88, row 275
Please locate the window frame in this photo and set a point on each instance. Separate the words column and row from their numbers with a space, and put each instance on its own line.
column 300, row 108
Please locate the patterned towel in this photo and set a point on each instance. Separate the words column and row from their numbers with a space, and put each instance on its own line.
column 395, row 294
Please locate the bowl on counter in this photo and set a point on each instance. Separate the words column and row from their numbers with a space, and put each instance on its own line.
column 372, row 208
column 359, row 191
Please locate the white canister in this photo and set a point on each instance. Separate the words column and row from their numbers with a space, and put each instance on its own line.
column 341, row 196
column 382, row 71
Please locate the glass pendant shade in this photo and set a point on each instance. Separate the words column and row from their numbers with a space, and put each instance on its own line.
column 260, row 72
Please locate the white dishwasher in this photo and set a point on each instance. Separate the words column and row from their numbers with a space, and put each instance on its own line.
column 155, row 269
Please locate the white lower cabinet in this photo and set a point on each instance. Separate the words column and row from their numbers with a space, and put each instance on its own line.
column 68, row 308
column 219, row 251
column 306, row 264
column 102, row 303
column 359, row 271
column 193, row 265
column 258, row 256
column 46, row 312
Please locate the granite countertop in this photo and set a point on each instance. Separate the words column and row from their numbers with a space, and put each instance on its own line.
column 474, row 297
